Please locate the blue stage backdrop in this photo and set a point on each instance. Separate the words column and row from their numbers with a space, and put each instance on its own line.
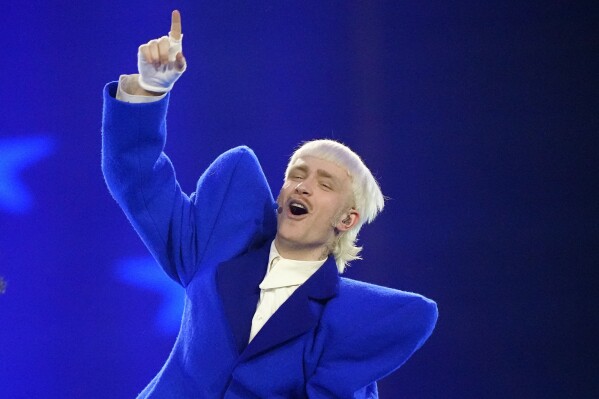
column 479, row 119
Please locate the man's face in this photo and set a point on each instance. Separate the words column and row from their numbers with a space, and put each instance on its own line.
column 315, row 198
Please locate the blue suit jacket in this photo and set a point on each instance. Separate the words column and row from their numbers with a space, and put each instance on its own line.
column 333, row 338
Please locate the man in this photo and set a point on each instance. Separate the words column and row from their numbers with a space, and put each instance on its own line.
column 266, row 313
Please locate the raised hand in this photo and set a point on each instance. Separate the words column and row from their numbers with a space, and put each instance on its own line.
column 160, row 61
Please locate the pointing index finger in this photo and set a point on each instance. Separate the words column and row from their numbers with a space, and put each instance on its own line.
column 175, row 32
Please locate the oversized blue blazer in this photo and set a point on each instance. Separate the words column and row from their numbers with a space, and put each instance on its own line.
column 333, row 338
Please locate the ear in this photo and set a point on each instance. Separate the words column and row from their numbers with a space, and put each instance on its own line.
column 348, row 221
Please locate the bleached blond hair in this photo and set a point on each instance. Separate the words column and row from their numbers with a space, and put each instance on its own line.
column 368, row 200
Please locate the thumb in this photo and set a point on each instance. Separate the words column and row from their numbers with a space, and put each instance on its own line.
column 180, row 62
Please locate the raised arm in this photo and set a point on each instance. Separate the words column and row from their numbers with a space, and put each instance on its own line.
column 232, row 206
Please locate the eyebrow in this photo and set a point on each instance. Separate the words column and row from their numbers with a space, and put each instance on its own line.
column 325, row 174
column 320, row 172
column 301, row 168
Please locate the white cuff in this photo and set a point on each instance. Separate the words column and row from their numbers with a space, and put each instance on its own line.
column 122, row 95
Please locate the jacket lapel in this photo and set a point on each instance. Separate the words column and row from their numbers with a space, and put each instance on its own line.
column 237, row 281
column 298, row 314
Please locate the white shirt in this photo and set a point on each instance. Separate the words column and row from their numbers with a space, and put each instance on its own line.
column 283, row 277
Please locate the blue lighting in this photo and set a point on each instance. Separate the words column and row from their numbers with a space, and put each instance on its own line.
column 16, row 154
column 144, row 273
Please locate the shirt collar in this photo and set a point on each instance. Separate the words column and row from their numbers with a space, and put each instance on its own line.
column 282, row 272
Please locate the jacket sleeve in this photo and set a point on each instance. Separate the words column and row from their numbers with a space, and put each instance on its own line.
column 231, row 208
column 370, row 332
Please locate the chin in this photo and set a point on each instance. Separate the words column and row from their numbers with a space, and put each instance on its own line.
column 287, row 237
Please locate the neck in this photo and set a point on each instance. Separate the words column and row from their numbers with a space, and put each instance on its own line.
column 290, row 250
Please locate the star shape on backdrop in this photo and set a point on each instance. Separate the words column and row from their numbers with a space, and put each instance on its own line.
column 16, row 154
column 144, row 273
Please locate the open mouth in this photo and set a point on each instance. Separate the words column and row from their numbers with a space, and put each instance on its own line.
column 297, row 208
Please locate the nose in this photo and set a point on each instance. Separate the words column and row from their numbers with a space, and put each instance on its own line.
column 302, row 188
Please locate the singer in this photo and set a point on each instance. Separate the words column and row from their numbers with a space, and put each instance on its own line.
column 267, row 314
